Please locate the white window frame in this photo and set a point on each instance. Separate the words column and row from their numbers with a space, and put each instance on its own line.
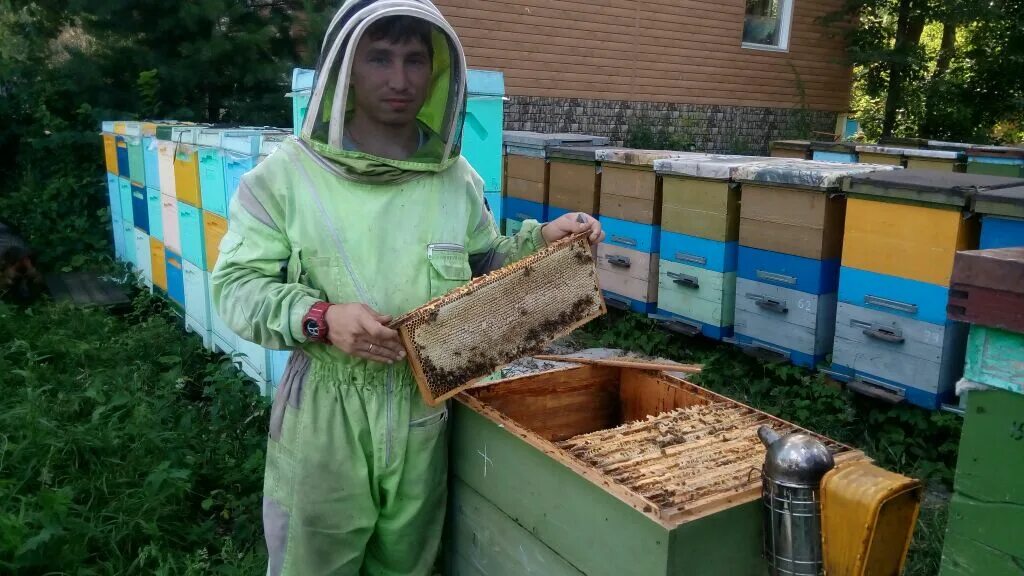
column 785, row 27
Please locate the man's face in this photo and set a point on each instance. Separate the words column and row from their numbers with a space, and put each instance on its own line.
column 391, row 80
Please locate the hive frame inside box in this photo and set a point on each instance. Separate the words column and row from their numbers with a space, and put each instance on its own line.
column 427, row 313
column 505, row 447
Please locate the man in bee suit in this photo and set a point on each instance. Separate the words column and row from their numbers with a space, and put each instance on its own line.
column 369, row 214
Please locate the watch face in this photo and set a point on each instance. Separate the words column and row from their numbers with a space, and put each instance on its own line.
column 312, row 329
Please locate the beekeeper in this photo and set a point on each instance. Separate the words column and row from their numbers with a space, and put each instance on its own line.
column 369, row 214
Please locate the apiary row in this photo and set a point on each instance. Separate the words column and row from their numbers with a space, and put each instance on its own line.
column 795, row 259
column 170, row 184
column 912, row 153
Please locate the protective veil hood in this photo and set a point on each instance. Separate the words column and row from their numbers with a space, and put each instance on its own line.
column 331, row 100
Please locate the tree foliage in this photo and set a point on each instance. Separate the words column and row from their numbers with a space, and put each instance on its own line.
column 941, row 69
column 67, row 65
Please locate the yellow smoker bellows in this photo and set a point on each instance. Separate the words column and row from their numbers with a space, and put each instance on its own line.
column 457, row 338
column 867, row 519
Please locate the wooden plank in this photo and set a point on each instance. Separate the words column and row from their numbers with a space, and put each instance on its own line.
column 998, row 268
column 525, row 189
column 644, row 395
column 639, row 210
column 991, row 461
column 486, row 542
column 987, row 307
column 574, row 186
column 996, row 358
column 903, row 240
column 792, row 221
column 570, row 507
column 624, row 363
column 561, row 404
column 633, row 263
column 526, row 168
column 630, row 182
column 994, row 523
column 703, row 208
column 711, row 302
column 965, row 557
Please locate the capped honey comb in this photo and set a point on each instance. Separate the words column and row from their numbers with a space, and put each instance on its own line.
column 683, row 459
column 454, row 340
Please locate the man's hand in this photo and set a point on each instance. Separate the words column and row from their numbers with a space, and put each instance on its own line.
column 357, row 330
column 570, row 224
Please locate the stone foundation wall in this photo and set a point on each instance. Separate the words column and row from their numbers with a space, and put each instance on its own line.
column 702, row 128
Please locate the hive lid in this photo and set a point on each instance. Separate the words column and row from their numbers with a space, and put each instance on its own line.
column 840, row 147
column 542, row 140
column 941, row 145
column 485, row 83
column 712, row 166
column 302, row 79
column 950, row 188
column 802, row 145
column 997, row 152
column 647, row 158
column 583, row 153
column 811, row 174
column 911, row 152
column 995, row 268
column 1001, row 202
column 904, row 142
column 456, row 339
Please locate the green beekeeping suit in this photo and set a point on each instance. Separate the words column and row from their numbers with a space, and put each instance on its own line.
column 356, row 462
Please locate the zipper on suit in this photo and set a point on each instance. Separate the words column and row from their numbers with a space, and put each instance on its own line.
column 444, row 247
column 387, row 433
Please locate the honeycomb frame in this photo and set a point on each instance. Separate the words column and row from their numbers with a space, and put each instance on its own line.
column 455, row 340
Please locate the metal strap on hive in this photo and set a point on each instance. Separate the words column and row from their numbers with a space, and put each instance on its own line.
column 455, row 339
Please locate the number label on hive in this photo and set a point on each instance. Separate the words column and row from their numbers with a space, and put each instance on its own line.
column 454, row 340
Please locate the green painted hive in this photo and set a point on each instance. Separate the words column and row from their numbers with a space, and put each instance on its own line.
column 605, row 471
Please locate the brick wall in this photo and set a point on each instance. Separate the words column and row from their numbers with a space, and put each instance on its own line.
column 703, row 128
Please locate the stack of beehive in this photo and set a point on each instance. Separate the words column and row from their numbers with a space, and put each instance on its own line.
column 902, row 232
column 790, row 240
column 988, row 499
column 170, row 184
column 631, row 208
column 527, row 175
column 700, row 223
column 912, row 153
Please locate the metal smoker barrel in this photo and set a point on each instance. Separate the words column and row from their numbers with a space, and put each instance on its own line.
column 791, row 478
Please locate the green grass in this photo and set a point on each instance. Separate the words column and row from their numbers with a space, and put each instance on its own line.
column 127, row 449
column 124, row 448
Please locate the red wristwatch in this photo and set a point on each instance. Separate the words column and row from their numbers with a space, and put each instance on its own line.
column 314, row 323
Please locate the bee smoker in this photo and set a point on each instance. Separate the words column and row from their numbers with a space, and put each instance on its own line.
column 791, row 478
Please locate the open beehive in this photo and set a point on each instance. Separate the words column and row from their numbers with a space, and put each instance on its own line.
column 601, row 470
column 466, row 334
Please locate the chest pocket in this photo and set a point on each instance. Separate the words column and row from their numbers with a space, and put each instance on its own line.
column 449, row 268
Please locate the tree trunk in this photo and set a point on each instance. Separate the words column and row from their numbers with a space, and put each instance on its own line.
column 942, row 62
column 909, row 28
column 946, row 51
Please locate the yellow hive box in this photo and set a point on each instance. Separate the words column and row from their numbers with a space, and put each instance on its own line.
column 907, row 241
column 867, row 519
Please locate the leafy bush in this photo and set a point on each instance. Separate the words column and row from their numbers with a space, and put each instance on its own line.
column 124, row 448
